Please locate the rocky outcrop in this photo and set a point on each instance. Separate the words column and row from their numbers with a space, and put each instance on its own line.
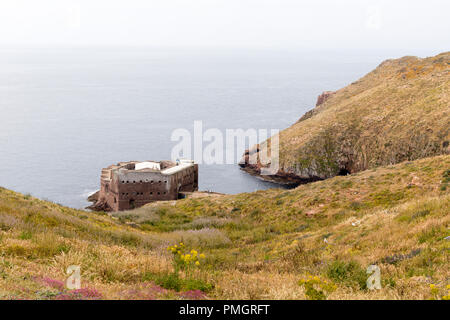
column 251, row 164
column 97, row 204
column 282, row 178
column 94, row 197
column 398, row 112
column 324, row 97
column 320, row 101
column 100, row 206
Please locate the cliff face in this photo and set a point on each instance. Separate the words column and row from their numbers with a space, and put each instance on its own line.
column 324, row 97
column 400, row 111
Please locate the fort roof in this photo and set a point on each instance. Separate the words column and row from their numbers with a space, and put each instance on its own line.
column 164, row 167
column 147, row 165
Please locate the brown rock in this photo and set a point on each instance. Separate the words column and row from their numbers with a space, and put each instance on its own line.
column 94, row 197
column 324, row 97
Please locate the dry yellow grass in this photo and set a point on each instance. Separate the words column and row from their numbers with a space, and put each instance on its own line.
column 257, row 245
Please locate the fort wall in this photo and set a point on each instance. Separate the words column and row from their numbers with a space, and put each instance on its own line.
column 123, row 188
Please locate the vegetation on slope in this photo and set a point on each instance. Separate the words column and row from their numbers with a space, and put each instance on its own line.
column 398, row 112
column 274, row 244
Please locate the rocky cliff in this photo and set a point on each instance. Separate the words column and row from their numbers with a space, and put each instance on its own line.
column 400, row 111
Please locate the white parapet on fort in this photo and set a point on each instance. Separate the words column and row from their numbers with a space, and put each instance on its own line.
column 181, row 164
column 147, row 165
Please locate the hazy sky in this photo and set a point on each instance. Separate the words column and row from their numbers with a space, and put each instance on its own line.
column 411, row 25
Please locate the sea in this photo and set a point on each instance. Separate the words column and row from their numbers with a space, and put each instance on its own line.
column 66, row 113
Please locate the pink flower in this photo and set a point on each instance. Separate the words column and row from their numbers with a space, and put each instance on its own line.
column 57, row 284
column 193, row 295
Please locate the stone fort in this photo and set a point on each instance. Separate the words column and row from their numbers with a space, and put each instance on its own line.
column 132, row 184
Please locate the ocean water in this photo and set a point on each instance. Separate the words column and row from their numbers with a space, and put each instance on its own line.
column 65, row 113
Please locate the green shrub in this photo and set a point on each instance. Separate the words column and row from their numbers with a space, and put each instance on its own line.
column 446, row 176
column 356, row 206
column 316, row 288
column 235, row 210
column 25, row 235
column 433, row 233
column 348, row 273
column 185, row 260
column 390, row 283
column 196, row 284
column 347, row 184
column 387, row 198
column 445, row 180
column 169, row 281
column 173, row 281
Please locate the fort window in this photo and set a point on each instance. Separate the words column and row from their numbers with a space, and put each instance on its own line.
column 159, row 181
column 159, row 192
column 140, row 181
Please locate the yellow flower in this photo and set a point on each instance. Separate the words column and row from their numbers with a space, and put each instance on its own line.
column 197, row 263
column 432, row 286
column 202, row 256
column 448, row 286
column 187, row 257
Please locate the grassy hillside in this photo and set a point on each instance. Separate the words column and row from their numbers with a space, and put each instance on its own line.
column 255, row 245
column 398, row 112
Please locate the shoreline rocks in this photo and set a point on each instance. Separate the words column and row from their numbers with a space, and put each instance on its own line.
column 287, row 179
